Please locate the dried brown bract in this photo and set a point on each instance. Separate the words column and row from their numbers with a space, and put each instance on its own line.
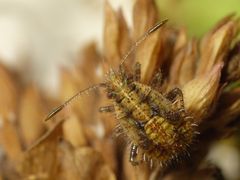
column 40, row 161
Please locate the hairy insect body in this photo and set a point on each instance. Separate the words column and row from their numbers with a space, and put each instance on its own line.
column 156, row 125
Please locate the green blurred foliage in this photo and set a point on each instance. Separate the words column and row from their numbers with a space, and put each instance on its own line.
column 197, row 16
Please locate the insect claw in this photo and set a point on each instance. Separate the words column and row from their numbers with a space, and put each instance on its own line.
column 194, row 125
column 196, row 132
column 144, row 157
column 189, row 118
column 107, row 109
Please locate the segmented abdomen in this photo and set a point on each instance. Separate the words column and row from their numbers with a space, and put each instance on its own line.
column 161, row 132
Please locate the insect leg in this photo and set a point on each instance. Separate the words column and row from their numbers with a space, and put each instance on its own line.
column 137, row 72
column 176, row 97
column 107, row 109
column 122, row 71
column 133, row 155
column 157, row 80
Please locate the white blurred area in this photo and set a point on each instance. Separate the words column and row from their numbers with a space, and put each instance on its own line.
column 37, row 37
column 226, row 156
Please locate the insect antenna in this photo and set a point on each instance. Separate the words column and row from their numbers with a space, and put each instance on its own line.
column 142, row 38
column 70, row 100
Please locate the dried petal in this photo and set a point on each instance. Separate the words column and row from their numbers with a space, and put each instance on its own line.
column 73, row 131
column 214, row 29
column 107, row 148
column 88, row 65
column 7, row 171
column 8, row 95
column 9, row 137
column 199, row 93
column 111, row 36
column 84, row 163
column 188, row 67
column 31, row 114
column 217, row 45
column 184, row 64
column 40, row 162
column 145, row 14
column 9, row 140
column 124, row 36
column 233, row 66
column 181, row 40
column 105, row 173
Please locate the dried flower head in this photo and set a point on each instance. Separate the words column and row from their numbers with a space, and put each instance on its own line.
column 167, row 90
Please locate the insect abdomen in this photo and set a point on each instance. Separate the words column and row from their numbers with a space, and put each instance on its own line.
column 161, row 132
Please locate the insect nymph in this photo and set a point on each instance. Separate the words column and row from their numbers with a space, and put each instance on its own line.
column 156, row 124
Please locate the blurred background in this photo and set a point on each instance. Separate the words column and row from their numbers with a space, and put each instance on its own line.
column 39, row 37
column 36, row 37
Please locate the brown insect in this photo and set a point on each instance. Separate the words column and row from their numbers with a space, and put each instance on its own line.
column 156, row 124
